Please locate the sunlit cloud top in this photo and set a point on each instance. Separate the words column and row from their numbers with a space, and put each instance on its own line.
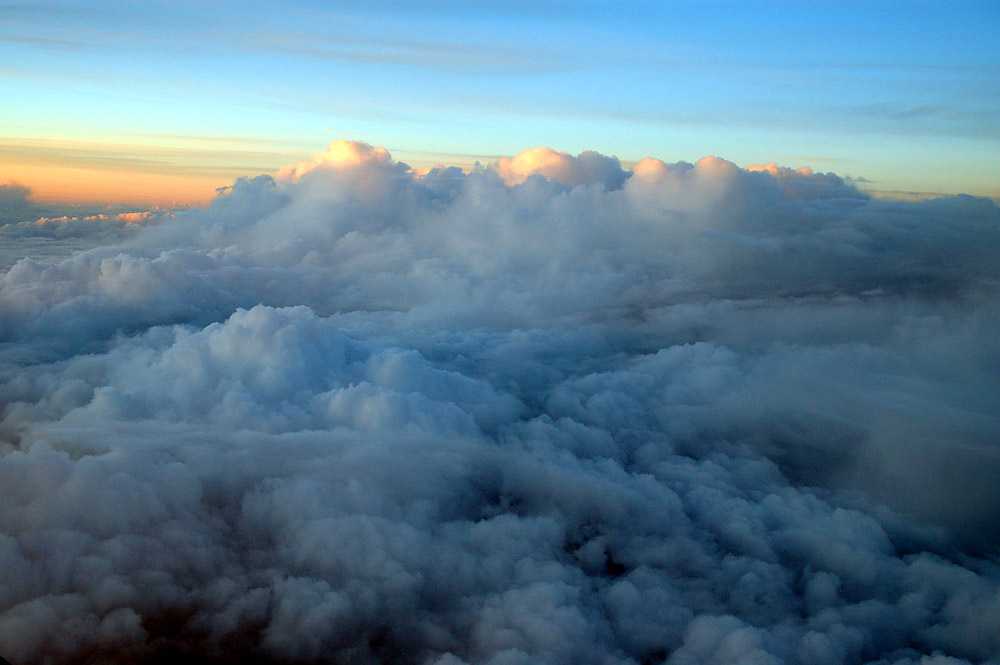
column 904, row 94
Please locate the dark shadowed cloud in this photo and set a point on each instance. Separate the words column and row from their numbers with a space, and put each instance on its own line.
column 15, row 203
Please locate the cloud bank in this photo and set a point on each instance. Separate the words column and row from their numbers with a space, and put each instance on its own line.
column 50, row 231
column 550, row 411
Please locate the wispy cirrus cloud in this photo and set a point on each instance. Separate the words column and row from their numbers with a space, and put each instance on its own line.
column 114, row 155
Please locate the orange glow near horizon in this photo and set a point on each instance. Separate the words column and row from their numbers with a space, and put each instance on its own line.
column 188, row 173
column 141, row 174
column 78, row 185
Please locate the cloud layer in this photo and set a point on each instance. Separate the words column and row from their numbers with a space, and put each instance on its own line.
column 50, row 231
column 550, row 411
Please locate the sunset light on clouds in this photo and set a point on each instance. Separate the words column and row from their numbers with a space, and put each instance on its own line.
column 449, row 333
column 904, row 94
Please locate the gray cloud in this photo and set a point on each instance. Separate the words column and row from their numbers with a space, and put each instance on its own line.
column 45, row 231
column 15, row 203
column 559, row 413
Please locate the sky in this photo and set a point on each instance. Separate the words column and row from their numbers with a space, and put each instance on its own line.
column 499, row 334
column 163, row 102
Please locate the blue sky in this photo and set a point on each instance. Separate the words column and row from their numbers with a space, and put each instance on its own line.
column 905, row 94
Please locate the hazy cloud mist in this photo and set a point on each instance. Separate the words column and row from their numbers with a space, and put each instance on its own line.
column 550, row 411
column 51, row 231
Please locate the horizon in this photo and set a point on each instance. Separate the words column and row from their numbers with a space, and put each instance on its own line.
column 163, row 103
column 202, row 190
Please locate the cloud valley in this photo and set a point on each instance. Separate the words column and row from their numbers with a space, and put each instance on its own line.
column 551, row 410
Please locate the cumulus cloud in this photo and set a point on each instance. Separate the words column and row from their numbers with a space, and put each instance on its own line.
column 549, row 411
column 15, row 203
column 587, row 168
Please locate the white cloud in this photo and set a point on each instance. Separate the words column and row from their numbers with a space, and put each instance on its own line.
column 586, row 168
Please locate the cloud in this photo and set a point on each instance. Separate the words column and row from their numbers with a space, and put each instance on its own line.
column 341, row 154
column 586, row 168
column 15, row 205
column 47, row 231
column 551, row 410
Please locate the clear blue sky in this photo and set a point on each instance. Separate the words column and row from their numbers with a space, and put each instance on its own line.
column 906, row 94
